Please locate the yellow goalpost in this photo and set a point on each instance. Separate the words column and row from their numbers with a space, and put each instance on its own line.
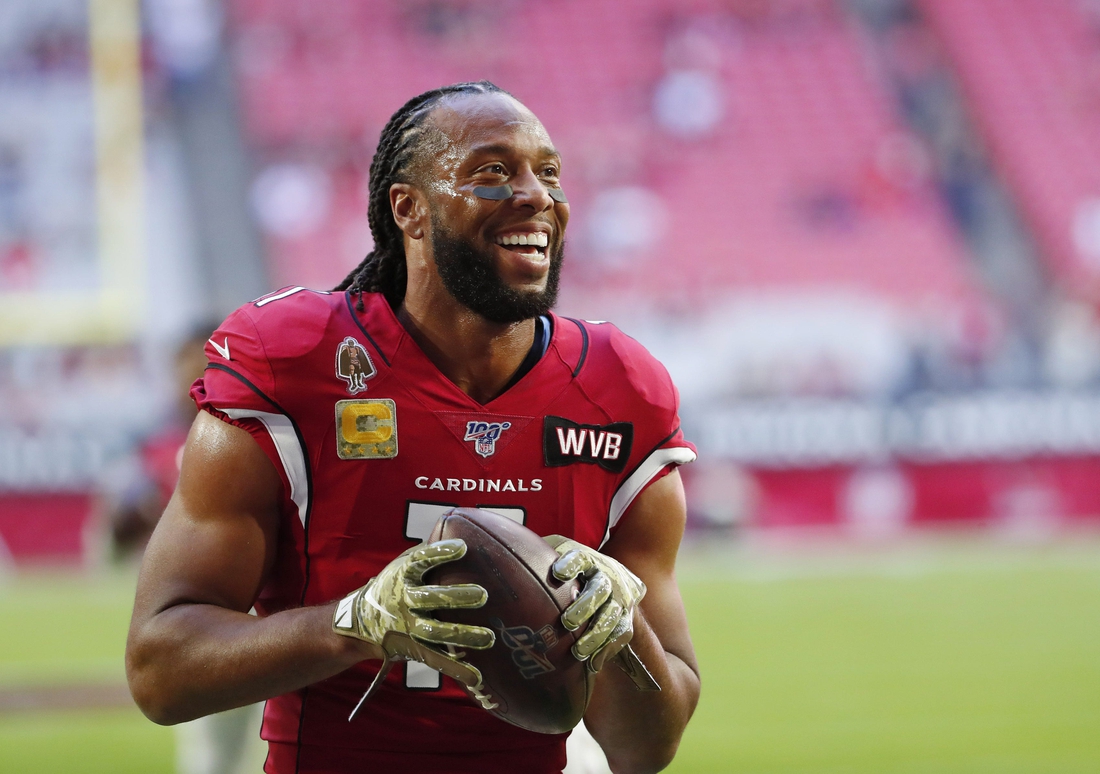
column 113, row 309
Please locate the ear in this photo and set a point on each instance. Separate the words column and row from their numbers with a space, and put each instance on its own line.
column 410, row 211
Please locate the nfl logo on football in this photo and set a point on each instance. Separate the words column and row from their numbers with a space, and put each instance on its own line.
column 485, row 435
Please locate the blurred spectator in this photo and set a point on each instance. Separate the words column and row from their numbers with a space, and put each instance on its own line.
column 1086, row 232
column 828, row 207
column 225, row 743
column 897, row 174
column 722, row 497
column 137, row 502
column 624, row 221
column 1030, row 508
column 953, row 349
column 17, row 252
column 291, row 199
column 689, row 103
column 1090, row 9
column 186, row 35
column 913, row 58
column 58, row 47
column 461, row 20
column 922, row 78
column 12, row 183
column 1073, row 346
column 877, row 502
column 228, row 742
column 781, row 14
column 18, row 267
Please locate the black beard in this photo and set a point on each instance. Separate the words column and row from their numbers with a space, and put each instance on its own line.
column 469, row 276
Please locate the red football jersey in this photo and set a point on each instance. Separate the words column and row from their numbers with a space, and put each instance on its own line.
column 373, row 444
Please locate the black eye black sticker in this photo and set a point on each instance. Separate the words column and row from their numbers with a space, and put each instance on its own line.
column 496, row 193
column 493, row 192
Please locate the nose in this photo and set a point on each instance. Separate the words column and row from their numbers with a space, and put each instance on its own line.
column 529, row 191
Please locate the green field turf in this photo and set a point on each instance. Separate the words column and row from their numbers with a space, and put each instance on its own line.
column 947, row 657
column 64, row 629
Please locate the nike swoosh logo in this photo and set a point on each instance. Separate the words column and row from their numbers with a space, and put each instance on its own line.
column 373, row 602
column 223, row 350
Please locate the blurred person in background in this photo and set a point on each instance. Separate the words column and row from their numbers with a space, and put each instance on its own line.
column 448, row 320
column 226, row 742
column 141, row 487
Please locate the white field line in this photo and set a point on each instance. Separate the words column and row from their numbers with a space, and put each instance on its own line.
column 55, row 672
column 756, row 560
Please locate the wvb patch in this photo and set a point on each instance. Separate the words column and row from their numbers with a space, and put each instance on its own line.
column 354, row 365
column 366, row 429
column 565, row 442
column 485, row 435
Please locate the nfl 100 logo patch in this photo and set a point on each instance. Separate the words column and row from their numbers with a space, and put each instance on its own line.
column 485, row 435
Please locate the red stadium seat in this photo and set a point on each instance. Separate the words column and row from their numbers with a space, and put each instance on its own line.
column 781, row 193
column 1031, row 71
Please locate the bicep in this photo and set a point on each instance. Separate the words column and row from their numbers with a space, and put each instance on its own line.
column 647, row 541
column 216, row 541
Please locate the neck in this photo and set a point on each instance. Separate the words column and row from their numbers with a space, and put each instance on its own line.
column 479, row 356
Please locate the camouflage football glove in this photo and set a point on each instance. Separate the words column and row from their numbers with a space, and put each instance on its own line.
column 388, row 612
column 607, row 601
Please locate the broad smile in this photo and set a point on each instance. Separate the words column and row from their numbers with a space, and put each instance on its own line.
column 527, row 243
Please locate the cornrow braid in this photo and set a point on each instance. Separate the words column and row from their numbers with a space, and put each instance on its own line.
column 383, row 270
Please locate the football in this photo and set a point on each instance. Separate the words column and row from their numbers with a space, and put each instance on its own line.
column 529, row 673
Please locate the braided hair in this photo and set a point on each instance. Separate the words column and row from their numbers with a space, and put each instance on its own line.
column 383, row 270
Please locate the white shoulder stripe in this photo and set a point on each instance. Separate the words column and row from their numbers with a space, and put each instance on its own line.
column 650, row 467
column 290, row 450
column 277, row 296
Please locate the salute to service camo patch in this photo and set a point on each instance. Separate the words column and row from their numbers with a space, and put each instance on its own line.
column 366, row 429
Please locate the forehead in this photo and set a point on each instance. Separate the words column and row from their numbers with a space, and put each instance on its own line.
column 468, row 123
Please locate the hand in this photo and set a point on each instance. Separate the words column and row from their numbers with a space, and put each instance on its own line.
column 386, row 613
column 607, row 601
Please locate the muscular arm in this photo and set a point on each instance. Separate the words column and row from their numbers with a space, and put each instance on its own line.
column 193, row 649
column 640, row 731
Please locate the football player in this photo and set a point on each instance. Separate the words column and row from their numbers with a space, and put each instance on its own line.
column 308, row 494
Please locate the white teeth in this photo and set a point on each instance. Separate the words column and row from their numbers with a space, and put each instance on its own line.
column 536, row 240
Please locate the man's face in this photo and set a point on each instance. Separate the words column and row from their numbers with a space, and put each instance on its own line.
column 492, row 140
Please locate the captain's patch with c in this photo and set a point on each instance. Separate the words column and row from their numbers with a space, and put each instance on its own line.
column 366, row 429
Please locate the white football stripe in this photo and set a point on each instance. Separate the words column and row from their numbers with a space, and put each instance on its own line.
column 518, row 515
column 277, row 296
column 291, row 453
column 650, row 467
column 422, row 676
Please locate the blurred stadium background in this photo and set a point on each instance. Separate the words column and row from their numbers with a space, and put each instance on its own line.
column 864, row 235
